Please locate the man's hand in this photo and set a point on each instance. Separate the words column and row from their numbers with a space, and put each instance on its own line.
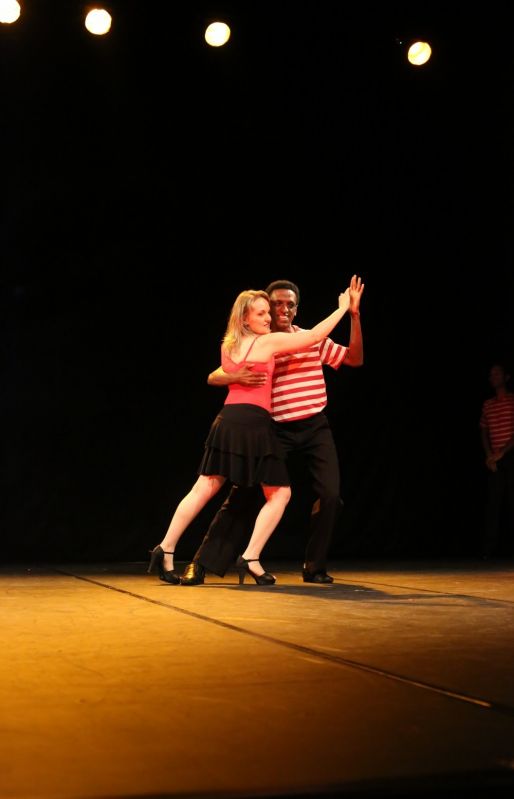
column 247, row 377
column 355, row 289
column 490, row 462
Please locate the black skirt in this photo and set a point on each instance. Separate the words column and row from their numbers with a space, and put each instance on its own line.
column 242, row 446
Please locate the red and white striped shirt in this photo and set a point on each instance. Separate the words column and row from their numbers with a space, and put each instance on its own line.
column 498, row 419
column 298, row 389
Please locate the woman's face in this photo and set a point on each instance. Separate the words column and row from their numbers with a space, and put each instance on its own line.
column 258, row 317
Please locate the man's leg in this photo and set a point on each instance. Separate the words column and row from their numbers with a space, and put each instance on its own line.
column 324, row 468
column 492, row 516
column 312, row 440
column 509, row 501
column 227, row 534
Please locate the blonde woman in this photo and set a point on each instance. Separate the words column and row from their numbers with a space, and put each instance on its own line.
column 241, row 445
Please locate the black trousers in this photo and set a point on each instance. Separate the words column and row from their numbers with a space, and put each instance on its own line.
column 230, row 530
column 499, row 508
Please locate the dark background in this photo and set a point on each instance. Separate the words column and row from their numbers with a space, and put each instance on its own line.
column 147, row 179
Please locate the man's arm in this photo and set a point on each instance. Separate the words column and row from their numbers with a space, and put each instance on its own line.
column 490, row 460
column 355, row 354
column 503, row 451
column 244, row 376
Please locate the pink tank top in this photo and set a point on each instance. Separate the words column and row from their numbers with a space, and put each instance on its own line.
column 250, row 395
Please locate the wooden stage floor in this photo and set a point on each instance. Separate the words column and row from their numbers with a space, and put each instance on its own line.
column 397, row 680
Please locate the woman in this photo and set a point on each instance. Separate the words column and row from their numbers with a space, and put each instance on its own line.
column 241, row 445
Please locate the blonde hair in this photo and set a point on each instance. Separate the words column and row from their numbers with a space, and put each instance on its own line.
column 236, row 326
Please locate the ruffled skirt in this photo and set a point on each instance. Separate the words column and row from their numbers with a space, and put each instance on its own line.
column 242, row 446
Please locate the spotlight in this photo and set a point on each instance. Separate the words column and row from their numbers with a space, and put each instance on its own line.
column 419, row 53
column 98, row 21
column 10, row 11
column 217, row 34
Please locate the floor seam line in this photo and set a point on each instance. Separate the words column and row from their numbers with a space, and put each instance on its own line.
column 305, row 650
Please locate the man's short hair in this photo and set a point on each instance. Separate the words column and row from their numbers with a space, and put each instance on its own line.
column 284, row 284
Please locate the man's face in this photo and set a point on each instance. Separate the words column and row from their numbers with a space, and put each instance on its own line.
column 283, row 309
column 497, row 376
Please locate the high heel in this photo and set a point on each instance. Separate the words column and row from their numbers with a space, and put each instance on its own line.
column 243, row 569
column 157, row 559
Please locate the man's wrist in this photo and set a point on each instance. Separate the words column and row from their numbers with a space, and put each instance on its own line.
column 354, row 313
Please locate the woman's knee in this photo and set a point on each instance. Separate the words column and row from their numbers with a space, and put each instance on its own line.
column 281, row 494
column 208, row 485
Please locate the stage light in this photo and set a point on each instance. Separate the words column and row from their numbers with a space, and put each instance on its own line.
column 217, row 34
column 10, row 10
column 419, row 53
column 98, row 21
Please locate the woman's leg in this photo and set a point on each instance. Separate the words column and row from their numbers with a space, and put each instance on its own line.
column 269, row 516
column 203, row 490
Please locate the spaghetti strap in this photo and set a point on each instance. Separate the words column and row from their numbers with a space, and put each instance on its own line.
column 249, row 350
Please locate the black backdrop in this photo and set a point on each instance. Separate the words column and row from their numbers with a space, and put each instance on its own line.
column 147, row 179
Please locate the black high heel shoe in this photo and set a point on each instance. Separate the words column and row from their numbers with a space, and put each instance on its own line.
column 243, row 569
column 157, row 559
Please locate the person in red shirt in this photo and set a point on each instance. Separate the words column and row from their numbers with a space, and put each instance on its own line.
column 242, row 446
column 497, row 435
column 298, row 401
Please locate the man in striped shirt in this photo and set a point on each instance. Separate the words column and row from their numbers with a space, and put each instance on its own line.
column 298, row 401
column 497, row 432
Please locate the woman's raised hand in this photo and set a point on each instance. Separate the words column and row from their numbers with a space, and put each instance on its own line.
column 344, row 300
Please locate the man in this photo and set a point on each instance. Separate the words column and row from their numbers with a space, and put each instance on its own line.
column 297, row 404
column 497, row 433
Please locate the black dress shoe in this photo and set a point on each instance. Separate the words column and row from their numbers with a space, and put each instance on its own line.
column 194, row 574
column 317, row 577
